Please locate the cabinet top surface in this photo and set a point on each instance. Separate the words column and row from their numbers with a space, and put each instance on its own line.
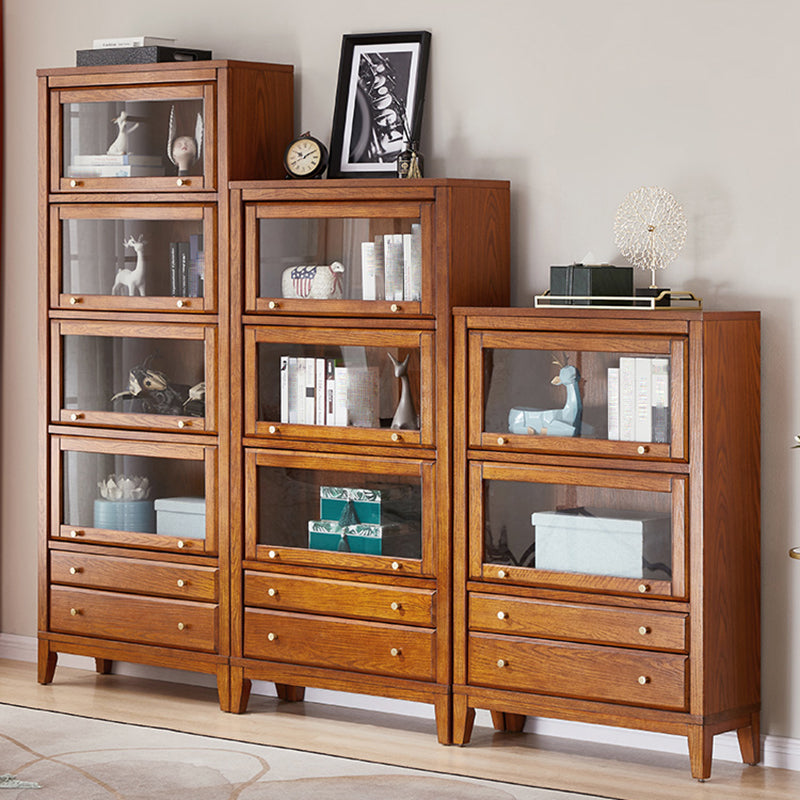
column 634, row 314
column 163, row 66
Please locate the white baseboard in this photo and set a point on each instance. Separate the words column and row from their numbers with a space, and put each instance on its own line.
column 777, row 751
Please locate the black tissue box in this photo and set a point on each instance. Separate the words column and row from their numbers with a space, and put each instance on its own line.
column 591, row 280
column 106, row 56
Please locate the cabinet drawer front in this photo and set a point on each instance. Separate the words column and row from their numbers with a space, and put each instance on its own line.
column 187, row 582
column 626, row 626
column 316, row 595
column 372, row 647
column 633, row 677
column 125, row 617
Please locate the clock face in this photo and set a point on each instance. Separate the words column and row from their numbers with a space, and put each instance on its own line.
column 304, row 158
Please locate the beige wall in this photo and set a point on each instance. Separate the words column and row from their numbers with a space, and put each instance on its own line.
column 577, row 102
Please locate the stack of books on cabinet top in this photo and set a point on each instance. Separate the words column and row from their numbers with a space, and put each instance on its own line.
column 187, row 267
column 638, row 400
column 107, row 165
column 391, row 266
column 319, row 391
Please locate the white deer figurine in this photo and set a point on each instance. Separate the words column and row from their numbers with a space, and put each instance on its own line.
column 133, row 280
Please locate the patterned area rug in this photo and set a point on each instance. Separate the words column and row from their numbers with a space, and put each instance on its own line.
column 75, row 758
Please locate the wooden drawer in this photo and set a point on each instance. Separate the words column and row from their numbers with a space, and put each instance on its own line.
column 343, row 598
column 651, row 630
column 567, row 669
column 127, row 617
column 183, row 581
column 373, row 647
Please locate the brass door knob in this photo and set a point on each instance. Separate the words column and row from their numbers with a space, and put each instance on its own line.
column 181, row 543
column 644, row 588
column 74, row 612
column 271, row 592
column 395, row 606
column 501, row 662
column 74, row 570
column 272, row 636
column 181, row 303
column 643, row 679
column 644, row 630
column 502, row 615
column 501, row 573
column 395, row 565
column 181, row 583
column 394, row 651
column 272, row 429
column 272, row 305
column 181, row 626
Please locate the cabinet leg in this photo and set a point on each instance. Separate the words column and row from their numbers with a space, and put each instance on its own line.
column 701, row 747
column 289, row 693
column 47, row 662
column 238, row 691
column 463, row 719
column 224, row 687
column 508, row 722
column 443, row 709
column 102, row 666
column 750, row 741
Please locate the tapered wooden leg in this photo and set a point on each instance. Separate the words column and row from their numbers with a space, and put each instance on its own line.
column 289, row 693
column 47, row 662
column 224, row 687
column 701, row 748
column 443, row 709
column 238, row 692
column 463, row 719
column 103, row 666
column 750, row 740
column 508, row 722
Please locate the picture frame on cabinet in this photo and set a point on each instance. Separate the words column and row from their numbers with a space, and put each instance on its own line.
column 379, row 101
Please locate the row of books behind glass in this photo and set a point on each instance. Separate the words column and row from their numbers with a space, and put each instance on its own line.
column 391, row 266
column 187, row 267
column 638, row 400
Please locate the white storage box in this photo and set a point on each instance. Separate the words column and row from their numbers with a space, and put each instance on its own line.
column 181, row 516
column 598, row 541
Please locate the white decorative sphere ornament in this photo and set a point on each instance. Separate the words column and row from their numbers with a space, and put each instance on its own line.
column 650, row 229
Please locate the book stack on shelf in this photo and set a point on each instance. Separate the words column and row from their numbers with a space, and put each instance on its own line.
column 187, row 267
column 391, row 266
column 320, row 391
column 107, row 165
column 638, row 400
column 136, row 50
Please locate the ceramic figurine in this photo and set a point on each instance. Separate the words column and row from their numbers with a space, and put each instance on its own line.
column 323, row 282
column 184, row 151
column 158, row 396
column 564, row 421
column 132, row 280
column 120, row 145
column 405, row 417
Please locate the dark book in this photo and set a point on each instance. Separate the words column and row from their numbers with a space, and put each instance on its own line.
column 183, row 268
column 174, row 281
column 587, row 280
column 105, row 56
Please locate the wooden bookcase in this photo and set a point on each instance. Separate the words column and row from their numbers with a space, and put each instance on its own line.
column 609, row 580
column 374, row 617
column 140, row 385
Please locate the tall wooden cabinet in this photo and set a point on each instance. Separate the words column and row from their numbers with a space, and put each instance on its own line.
column 606, row 528
column 134, row 329
column 341, row 379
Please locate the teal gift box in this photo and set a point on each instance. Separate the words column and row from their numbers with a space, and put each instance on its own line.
column 334, row 500
column 364, row 538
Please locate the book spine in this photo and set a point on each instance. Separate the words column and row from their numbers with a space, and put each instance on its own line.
column 643, row 427
column 660, row 400
column 183, row 268
column 340, row 398
column 613, row 403
column 291, row 380
column 407, row 287
column 310, row 391
column 380, row 270
column 393, row 266
column 174, row 281
column 415, row 264
column 319, row 392
column 627, row 399
column 330, row 391
column 132, row 41
column 368, row 284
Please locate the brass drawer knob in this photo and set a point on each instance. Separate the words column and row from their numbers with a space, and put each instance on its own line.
column 643, row 679
column 395, row 606
column 74, row 300
column 75, row 534
column 396, row 437
column 644, row 588
column 394, row 307
column 644, row 630
column 181, row 544
column 272, row 305
column 272, row 429
column 181, row 626
column 395, row 565
column 74, row 570
column 641, row 449
column 182, row 423
column 271, row 592
column 501, row 662
column 74, row 612
column 74, row 417
column 502, row 615
column 181, row 583
column 73, row 184
column 182, row 182
column 181, row 303
column 501, row 440
column 272, row 637
column 501, row 573
column 395, row 651
column 272, row 554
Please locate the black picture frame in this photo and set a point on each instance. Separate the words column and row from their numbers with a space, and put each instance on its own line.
column 379, row 100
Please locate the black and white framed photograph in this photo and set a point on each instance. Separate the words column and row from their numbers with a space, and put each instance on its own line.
column 379, row 99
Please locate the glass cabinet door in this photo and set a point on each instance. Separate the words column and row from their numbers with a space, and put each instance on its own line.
column 134, row 257
column 337, row 384
column 599, row 394
column 339, row 258
column 354, row 512
column 134, row 375
column 155, row 496
column 134, row 138
column 593, row 530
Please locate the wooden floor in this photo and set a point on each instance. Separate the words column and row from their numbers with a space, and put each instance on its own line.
column 406, row 741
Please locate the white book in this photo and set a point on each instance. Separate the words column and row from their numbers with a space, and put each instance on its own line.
column 613, row 403
column 311, row 391
column 340, row 396
column 414, row 263
column 393, row 265
column 114, row 171
column 291, row 380
column 330, row 391
column 627, row 398
column 363, row 397
column 380, row 269
column 112, row 159
column 133, row 41
column 643, row 427
column 300, row 383
column 407, row 288
column 660, row 399
column 284, row 389
column 368, row 284
column 319, row 392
